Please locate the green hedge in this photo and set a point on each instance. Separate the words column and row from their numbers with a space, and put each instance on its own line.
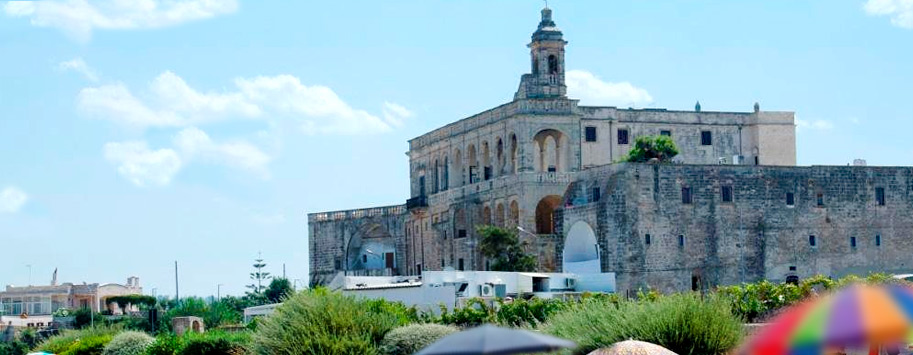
column 323, row 322
column 129, row 343
column 684, row 323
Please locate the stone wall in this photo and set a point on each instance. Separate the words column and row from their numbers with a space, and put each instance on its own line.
column 757, row 235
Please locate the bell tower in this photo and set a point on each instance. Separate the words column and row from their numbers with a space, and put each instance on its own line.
column 546, row 50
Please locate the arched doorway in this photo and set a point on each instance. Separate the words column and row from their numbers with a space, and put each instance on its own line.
column 581, row 253
column 545, row 214
column 372, row 248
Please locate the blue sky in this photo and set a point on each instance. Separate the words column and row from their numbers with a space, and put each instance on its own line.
column 136, row 133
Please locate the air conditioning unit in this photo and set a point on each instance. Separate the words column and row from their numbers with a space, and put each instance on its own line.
column 570, row 283
column 486, row 290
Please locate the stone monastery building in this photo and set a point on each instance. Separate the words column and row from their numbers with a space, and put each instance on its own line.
column 732, row 207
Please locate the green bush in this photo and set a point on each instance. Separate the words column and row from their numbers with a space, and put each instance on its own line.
column 13, row 348
column 474, row 313
column 166, row 344
column 323, row 322
column 214, row 342
column 129, row 343
column 531, row 313
column 684, row 323
column 68, row 339
column 412, row 338
column 93, row 345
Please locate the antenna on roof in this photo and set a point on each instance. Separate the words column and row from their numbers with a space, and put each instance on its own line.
column 546, row 3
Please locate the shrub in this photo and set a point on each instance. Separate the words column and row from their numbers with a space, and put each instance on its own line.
column 323, row 322
column 165, row 345
column 13, row 348
column 683, row 323
column 474, row 313
column 214, row 343
column 530, row 313
column 68, row 339
column 92, row 345
column 129, row 343
column 412, row 338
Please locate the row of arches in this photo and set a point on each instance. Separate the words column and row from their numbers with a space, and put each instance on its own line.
column 472, row 164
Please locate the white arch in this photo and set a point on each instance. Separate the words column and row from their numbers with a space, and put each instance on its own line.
column 581, row 255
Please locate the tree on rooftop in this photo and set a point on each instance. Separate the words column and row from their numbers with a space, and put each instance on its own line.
column 646, row 148
column 503, row 248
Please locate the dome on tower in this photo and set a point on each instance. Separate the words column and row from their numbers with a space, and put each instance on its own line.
column 547, row 30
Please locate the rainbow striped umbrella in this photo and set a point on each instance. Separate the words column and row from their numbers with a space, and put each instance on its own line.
column 855, row 316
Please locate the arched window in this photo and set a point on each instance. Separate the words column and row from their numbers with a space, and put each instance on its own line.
column 552, row 64
column 445, row 180
column 486, row 215
column 514, row 213
column 499, row 215
column 499, row 153
column 513, row 153
column 435, row 176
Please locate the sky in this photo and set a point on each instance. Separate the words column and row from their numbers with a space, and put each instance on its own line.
column 137, row 133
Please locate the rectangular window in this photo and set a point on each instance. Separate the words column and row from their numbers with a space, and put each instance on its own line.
column 442, row 263
column 596, row 194
column 879, row 195
column 726, row 192
column 460, row 264
column 622, row 136
column 852, row 242
column 706, row 138
column 790, row 199
column 686, row 195
column 590, row 133
column 647, row 239
column 681, row 240
column 811, row 240
column 461, row 233
column 666, row 133
column 877, row 240
column 418, row 269
column 792, row 268
column 552, row 169
column 820, row 199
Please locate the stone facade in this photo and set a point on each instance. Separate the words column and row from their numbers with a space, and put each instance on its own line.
column 547, row 167
column 773, row 223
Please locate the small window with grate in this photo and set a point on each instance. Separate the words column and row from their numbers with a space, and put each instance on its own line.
column 852, row 242
column 812, row 241
column 590, row 133
column 686, row 195
column 623, row 136
column 461, row 233
column 879, row 196
column 706, row 138
column 790, row 199
column 666, row 133
column 647, row 240
column 726, row 192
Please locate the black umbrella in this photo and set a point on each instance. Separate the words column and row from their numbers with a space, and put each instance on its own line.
column 491, row 340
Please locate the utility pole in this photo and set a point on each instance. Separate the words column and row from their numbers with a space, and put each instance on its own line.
column 30, row 273
column 219, row 291
column 283, row 271
column 177, row 294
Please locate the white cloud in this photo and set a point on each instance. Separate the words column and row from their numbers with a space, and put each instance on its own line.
column 173, row 103
column 115, row 102
column 12, row 199
column 814, row 125
column 394, row 113
column 900, row 11
column 141, row 165
column 78, row 65
column 78, row 18
column 194, row 143
column 318, row 108
column 591, row 90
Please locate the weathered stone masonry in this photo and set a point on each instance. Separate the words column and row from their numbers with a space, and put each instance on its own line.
column 755, row 236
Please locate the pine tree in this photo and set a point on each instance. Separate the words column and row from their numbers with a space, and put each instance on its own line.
column 258, row 276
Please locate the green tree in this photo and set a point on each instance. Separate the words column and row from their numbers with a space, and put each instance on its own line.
column 647, row 148
column 258, row 276
column 278, row 289
column 503, row 248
